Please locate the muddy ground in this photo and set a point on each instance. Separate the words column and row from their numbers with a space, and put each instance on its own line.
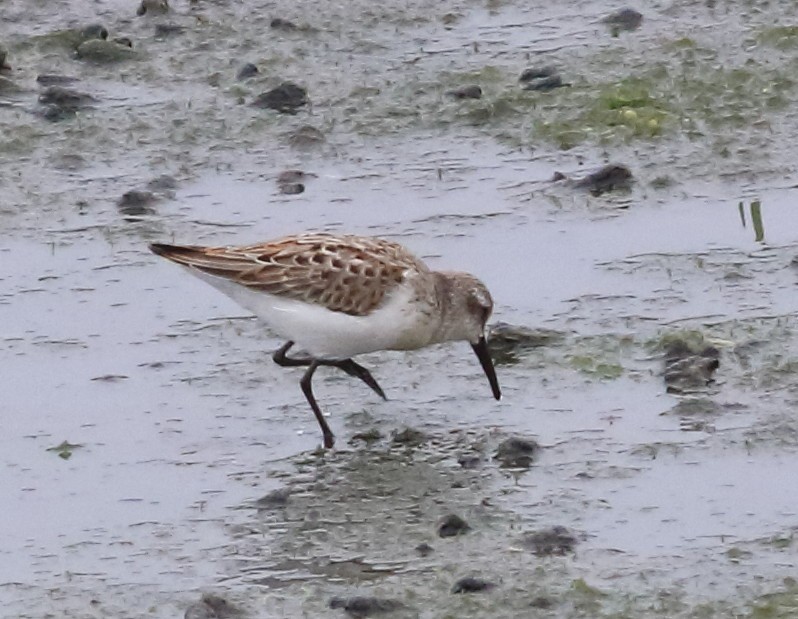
column 145, row 427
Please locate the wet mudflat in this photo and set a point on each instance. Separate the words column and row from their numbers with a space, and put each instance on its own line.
column 153, row 454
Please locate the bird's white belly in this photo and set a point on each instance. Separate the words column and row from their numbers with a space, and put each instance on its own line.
column 397, row 324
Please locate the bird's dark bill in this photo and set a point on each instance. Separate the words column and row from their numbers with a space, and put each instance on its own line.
column 483, row 354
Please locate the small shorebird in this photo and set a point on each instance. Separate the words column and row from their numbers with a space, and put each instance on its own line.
column 338, row 296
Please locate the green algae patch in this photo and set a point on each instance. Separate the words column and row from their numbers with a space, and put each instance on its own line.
column 781, row 37
column 65, row 449
column 777, row 605
column 595, row 367
column 631, row 108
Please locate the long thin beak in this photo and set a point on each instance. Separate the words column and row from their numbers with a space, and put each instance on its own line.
column 483, row 354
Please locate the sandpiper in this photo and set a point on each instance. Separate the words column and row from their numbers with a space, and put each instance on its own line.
column 338, row 296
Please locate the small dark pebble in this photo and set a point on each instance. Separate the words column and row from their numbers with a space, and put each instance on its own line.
column 364, row 606
column 94, row 31
column 64, row 97
column 211, row 607
column 466, row 92
column 558, row 176
column 424, row 549
column 247, row 71
column 470, row 584
column 542, row 602
column 56, row 113
column 275, row 498
column 517, row 453
column 452, row 525
column 137, row 202
column 625, row 19
column 609, row 178
column 544, row 84
column 278, row 23
column 290, row 189
column 48, row 79
column 287, row 98
column 554, row 540
column 167, row 30
column 469, row 460
column 152, row 7
column 62, row 103
column 537, row 72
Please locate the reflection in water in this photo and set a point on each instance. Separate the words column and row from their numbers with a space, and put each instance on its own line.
column 756, row 219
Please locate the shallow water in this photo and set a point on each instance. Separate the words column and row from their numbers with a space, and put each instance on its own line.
column 181, row 420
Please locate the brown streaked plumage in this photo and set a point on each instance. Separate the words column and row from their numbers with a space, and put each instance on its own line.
column 343, row 295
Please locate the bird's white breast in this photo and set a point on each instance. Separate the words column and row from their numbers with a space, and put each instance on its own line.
column 400, row 323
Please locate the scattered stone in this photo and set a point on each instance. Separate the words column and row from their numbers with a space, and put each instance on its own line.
column 517, row 453
column 65, row 97
column 545, row 84
column 471, row 584
column 466, row 92
column 53, row 113
column 409, row 437
column 275, row 498
column 364, row 606
column 47, row 79
column 609, row 178
column 424, row 549
column 211, row 607
column 137, row 203
column 452, row 526
column 163, row 31
column 104, row 52
column 688, row 369
column 278, row 23
column 543, row 78
column 554, row 540
column 287, row 98
column 542, row 602
column 247, row 71
column 625, row 19
column 469, row 460
column 533, row 73
column 94, row 31
column 305, row 137
column 153, row 7
column 290, row 189
column 61, row 103
column 508, row 341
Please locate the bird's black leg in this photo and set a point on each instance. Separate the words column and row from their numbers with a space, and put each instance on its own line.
column 347, row 365
column 280, row 359
column 307, row 389
column 358, row 371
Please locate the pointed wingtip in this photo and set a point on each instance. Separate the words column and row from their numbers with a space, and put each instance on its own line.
column 161, row 249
